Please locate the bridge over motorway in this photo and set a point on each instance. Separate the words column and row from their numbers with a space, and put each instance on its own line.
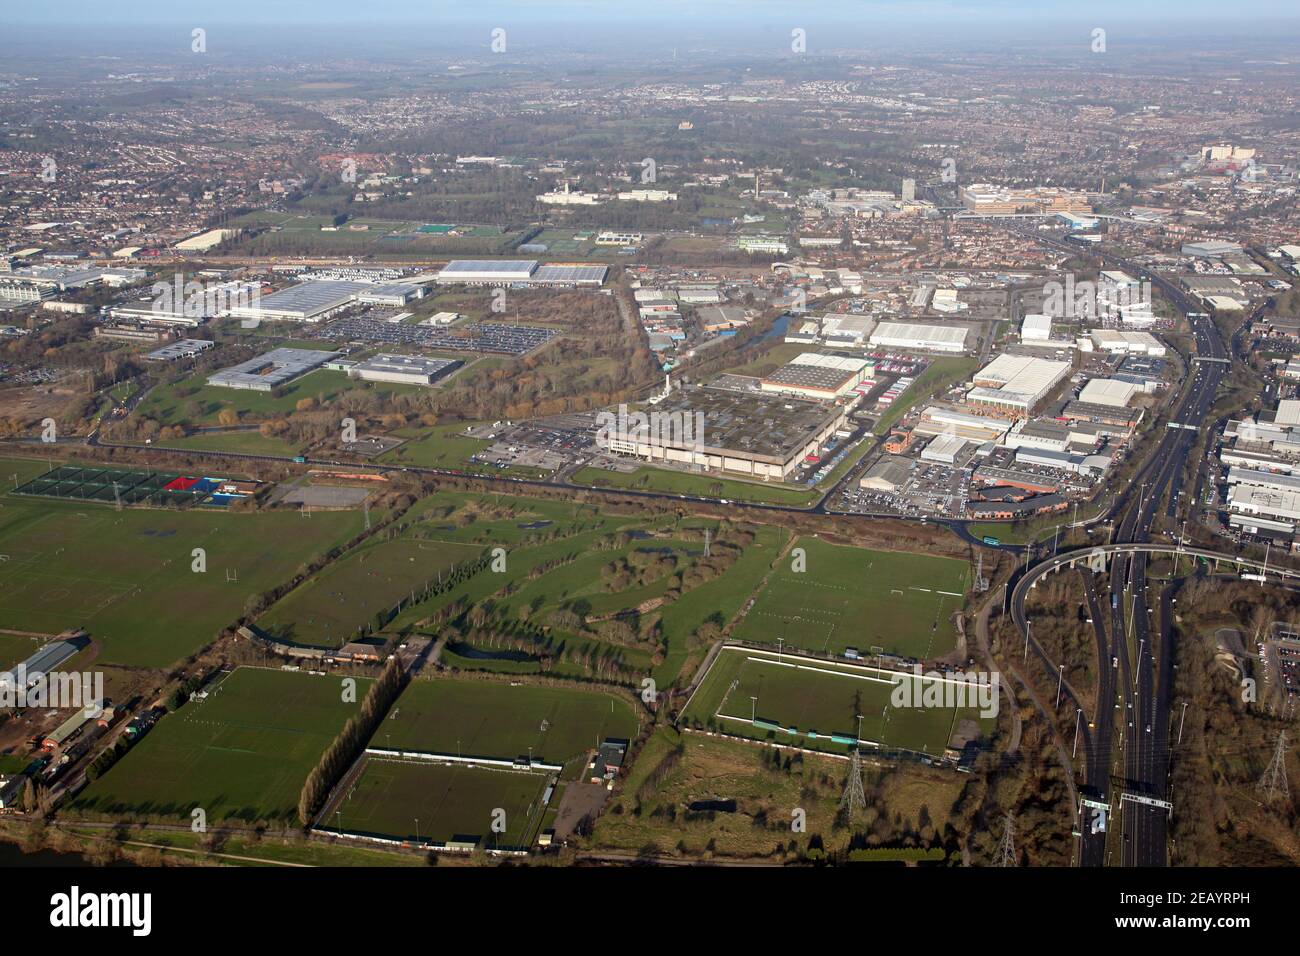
column 1097, row 558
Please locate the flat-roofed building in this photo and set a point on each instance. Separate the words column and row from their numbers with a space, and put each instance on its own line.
column 390, row 293
column 268, row 372
column 944, row 449
column 1271, row 503
column 1263, row 479
column 1123, row 421
column 942, row 420
column 129, row 332
column 486, row 271
column 403, row 369
column 1036, row 433
column 755, row 434
column 987, row 199
column 889, row 474
column 306, row 302
column 205, row 240
column 846, row 330
column 813, row 375
column 185, row 348
column 1109, row 391
column 922, row 337
column 1014, row 385
column 570, row 274
column 1036, row 328
column 1046, row 458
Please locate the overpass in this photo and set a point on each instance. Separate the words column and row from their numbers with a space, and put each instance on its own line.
column 1098, row 558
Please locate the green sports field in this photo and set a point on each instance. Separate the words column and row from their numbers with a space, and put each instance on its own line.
column 15, row 648
column 242, row 754
column 475, row 718
column 126, row 576
column 814, row 696
column 327, row 609
column 649, row 478
column 439, row 803
column 855, row 597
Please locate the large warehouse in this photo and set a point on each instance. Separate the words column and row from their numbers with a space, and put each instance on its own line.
column 1109, row 391
column 817, row 376
column 920, row 336
column 268, row 372
column 1012, row 386
column 306, row 302
column 486, row 271
column 745, row 433
column 570, row 273
column 403, row 369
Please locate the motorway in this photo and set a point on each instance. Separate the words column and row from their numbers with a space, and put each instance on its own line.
column 1142, row 691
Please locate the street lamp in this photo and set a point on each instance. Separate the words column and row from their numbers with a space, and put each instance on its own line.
column 1078, row 719
column 1060, row 681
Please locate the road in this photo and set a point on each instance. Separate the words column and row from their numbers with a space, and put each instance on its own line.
column 1143, row 691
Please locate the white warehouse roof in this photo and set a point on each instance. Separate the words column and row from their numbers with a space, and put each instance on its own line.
column 917, row 335
column 1036, row 328
column 1108, row 391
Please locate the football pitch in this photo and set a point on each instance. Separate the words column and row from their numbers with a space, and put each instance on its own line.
column 815, row 704
column 853, row 597
column 474, row 718
column 128, row 576
column 327, row 609
column 439, row 803
column 242, row 755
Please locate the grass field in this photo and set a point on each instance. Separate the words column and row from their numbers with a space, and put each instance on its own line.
column 328, row 608
column 127, row 576
column 18, row 471
column 577, row 581
column 15, row 648
column 675, row 818
column 242, row 754
column 443, row 446
column 941, row 374
column 814, row 696
column 854, row 597
column 237, row 442
column 679, row 483
column 438, row 803
column 194, row 402
column 475, row 718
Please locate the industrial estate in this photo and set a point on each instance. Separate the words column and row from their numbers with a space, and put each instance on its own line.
column 678, row 455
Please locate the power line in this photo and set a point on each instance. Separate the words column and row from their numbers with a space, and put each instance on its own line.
column 854, row 799
column 1007, row 852
column 1273, row 784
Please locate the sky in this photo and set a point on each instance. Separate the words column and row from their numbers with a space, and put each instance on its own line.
column 387, row 28
column 927, row 12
